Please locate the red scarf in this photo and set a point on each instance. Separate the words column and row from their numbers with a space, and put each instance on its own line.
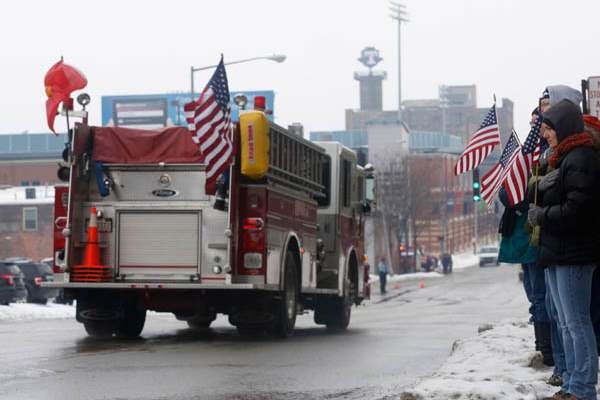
column 568, row 144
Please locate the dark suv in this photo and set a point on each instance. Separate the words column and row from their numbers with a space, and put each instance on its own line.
column 12, row 283
column 35, row 274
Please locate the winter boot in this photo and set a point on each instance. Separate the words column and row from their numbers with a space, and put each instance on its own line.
column 555, row 380
column 560, row 395
column 544, row 342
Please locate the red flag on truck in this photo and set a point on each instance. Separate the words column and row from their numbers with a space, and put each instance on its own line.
column 60, row 81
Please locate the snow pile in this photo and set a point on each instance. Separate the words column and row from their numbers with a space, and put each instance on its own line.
column 26, row 311
column 494, row 365
column 464, row 260
column 406, row 277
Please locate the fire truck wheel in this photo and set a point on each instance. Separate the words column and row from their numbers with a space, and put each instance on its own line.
column 132, row 322
column 99, row 329
column 339, row 318
column 201, row 322
column 251, row 331
column 286, row 308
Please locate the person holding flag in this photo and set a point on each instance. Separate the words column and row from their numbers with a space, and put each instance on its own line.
column 515, row 244
column 570, row 241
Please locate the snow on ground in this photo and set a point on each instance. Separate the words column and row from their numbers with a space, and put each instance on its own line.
column 27, row 311
column 464, row 260
column 496, row 364
column 459, row 261
column 406, row 277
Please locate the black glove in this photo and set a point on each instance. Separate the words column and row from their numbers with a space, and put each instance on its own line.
column 548, row 180
column 534, row 215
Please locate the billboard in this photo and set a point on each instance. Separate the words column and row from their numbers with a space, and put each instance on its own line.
column 151, row 111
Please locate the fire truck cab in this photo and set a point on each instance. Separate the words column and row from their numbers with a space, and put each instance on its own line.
column 288, row 238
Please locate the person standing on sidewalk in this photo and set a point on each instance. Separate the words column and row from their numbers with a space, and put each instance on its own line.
column 515, row 248
column 383, row 270
column 570, row 241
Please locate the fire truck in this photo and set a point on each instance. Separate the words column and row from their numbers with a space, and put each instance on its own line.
column 284, row 236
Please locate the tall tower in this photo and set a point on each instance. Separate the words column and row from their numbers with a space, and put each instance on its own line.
column 371, row 92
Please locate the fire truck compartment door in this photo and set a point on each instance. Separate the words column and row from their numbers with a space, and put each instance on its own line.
column 161, row 245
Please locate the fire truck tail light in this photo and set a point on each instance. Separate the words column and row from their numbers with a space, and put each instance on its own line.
column 252, row 260
column 253, row 224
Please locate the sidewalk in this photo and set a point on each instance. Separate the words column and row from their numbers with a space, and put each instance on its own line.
column 499, row 363
column 398, row 283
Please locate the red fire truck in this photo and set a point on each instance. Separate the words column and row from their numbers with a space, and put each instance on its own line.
column 288, row 239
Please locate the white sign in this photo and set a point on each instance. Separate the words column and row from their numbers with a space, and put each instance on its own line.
column 594, row 96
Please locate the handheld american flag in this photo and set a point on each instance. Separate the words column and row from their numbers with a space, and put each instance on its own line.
column 518, row 171
column 533, row 143
column 481, row 144
column 209, row 120
column 493, row 179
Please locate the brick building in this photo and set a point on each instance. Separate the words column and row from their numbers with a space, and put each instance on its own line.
column 26, row 215
column 30, row 159
column 443, row 206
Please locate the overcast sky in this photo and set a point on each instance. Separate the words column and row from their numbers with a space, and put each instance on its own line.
column 511, row 47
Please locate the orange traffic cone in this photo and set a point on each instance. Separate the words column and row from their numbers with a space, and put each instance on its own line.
column 91, row 270
column 92, row 251
column 421, row 285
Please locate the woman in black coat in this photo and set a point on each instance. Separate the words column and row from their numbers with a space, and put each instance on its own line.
column 569, row 218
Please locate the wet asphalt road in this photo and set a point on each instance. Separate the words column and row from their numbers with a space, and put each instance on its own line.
column 390, row 344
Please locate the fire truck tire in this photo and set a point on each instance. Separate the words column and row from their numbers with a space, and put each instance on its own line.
column 99, row 329
column 286, row 308
column 132, row 323
column 201, row 322
column 251, row 330
column 335, row 313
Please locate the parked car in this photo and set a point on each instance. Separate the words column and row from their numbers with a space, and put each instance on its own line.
column 17, row 260
column 12, row 284
column 488, row 255
column 35, row 274
column 60, row 294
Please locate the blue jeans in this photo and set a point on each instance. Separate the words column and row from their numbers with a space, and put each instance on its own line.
column 570, row 288
column 382, row 282
column 558, row 352
column 535, row 290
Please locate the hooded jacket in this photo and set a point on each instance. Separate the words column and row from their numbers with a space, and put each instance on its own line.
column 570, row 218
column 556, row 93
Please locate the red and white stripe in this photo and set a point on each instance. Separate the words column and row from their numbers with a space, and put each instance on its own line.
column 516, row 179
column 480, row 146
column 211, row 128
column 492, row 181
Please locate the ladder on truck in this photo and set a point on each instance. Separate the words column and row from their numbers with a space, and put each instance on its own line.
column 297, row 163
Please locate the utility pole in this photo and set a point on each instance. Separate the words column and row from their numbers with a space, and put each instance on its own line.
column 399, row 14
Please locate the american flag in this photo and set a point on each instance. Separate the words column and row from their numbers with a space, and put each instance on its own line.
column 494, row 178
column 209, row 120
column 481, row 144
column 532, row 146
column 518, row 175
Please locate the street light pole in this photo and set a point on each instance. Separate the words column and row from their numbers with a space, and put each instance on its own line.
column 400, row 15
column 275, row 57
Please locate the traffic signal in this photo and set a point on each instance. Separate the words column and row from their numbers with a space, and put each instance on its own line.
column 402, row 248
column 476, row 186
